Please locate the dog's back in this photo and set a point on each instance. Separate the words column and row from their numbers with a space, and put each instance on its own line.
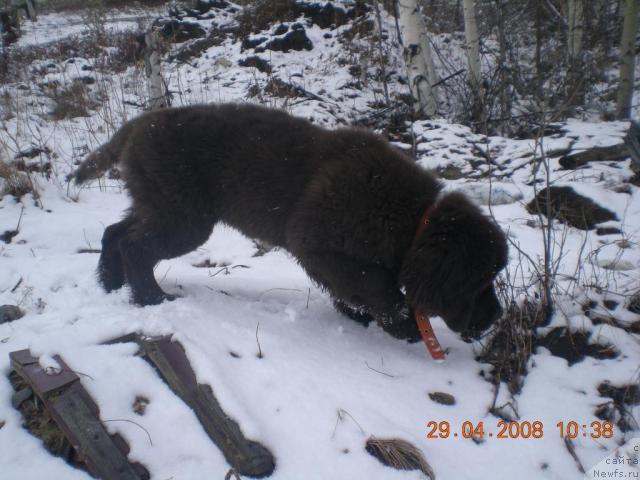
column 245, row 165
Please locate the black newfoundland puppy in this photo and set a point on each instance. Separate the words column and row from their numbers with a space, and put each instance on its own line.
column 344, row 202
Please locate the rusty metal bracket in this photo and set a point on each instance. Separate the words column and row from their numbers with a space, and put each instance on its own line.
column 77, row 415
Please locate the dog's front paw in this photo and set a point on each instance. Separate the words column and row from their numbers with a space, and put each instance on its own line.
column 359, row 314
column 401, row 325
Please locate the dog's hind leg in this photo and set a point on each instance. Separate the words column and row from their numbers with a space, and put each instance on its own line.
column 110, row 268
column 149, row 241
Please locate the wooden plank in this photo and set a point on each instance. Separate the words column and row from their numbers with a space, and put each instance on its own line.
column 247, row 457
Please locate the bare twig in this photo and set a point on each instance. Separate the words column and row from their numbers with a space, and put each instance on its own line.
column 135, row 423
column 260, row 355
column 378, row 371
column 572, row 451
column 15, row 287
column 341, row 414
column 232, row 474
column 279, row 289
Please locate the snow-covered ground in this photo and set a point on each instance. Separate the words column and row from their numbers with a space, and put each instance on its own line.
column 324, row 383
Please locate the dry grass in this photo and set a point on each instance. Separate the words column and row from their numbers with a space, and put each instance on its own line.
column 72, row 101
column 513, row 339
column 399, row 454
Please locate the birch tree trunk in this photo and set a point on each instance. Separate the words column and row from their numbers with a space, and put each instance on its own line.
column 418, row 58
column 575, row 21
column 472, row 40
column 627, row 58
column 575, row 68
column 31, row 10
column 472, row 44
column 155, row 83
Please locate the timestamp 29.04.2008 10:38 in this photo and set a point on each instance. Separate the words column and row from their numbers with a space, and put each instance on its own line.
column 519, row 429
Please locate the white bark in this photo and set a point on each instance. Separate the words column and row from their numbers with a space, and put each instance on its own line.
column 418, row 57
column 472, row 44
column 155, row 83
column 575, row 21
column 627, row 58
column 31, row 10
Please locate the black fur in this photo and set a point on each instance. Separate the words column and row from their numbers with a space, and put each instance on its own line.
column 344, row 202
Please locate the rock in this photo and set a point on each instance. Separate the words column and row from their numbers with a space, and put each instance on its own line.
column 205, row 5
column 634, row 307
column 623, row 395
column 326, row 15
column 571, row 208
column 252, row 42
column 615, row 264
column 450, row 172
column 281, row 29
column 294, row 40
column 9, row 313
column 596, row 154
column 8, row 235
column 443, row 398
column 574, row 346
column 181, row 31
column 610, row 304
column 254, row 61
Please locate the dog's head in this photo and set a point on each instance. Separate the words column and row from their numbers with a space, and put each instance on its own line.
column 450, row 268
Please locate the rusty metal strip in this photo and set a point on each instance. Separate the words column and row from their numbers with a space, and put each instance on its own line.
column 77, row 415
column 246, row 456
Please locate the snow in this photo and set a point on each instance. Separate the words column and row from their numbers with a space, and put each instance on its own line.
column 317, row 393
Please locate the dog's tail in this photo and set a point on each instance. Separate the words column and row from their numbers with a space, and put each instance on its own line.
column 104, row 157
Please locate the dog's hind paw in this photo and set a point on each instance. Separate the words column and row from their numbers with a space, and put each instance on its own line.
column 155, row 299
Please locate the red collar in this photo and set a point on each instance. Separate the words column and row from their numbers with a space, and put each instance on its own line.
column 424, row 222
column 424, row 326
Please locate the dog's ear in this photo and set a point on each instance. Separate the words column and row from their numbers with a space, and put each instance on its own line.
column 448, row 270
column 437, row 280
